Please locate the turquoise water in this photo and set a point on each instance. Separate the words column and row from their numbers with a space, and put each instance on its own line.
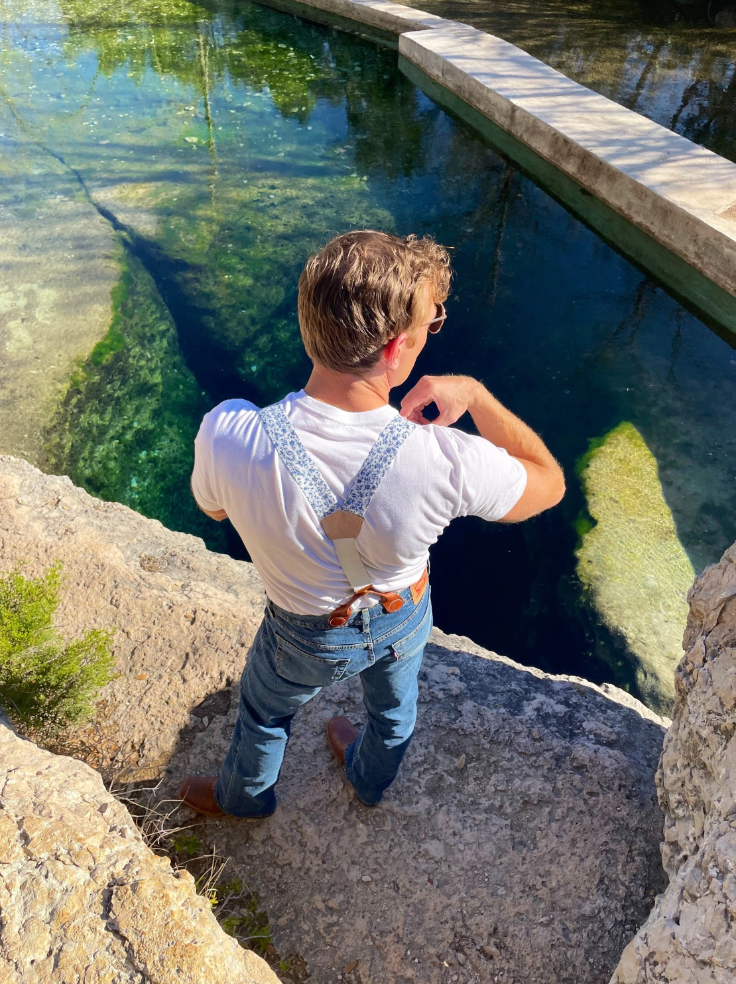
column 224, row 142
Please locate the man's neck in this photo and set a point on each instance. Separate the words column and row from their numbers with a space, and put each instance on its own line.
column 347, row 392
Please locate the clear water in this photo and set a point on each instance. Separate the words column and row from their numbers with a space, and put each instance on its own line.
column 671, row 60
column 224, row 143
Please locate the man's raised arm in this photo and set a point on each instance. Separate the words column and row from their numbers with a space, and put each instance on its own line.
column 453, row 395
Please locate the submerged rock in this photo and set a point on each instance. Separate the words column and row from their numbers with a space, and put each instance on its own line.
column 58, row 258
column 231, row 263
column 534, row 861
column 631, row 562
column 92, row 380
column 689, row 937
column 83, row 898
column 226, row 204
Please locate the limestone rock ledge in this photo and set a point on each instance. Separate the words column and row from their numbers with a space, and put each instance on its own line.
column 690, row 936
column 82, row 898
column 520, row 842
column 183, row 617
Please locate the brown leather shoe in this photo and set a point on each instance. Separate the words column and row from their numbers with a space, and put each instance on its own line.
column 198, row 792
column 340, row 734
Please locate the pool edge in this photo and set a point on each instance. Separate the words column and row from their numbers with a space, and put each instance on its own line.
column 680, row 230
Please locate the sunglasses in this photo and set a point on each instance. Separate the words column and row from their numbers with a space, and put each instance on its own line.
column 435, row 324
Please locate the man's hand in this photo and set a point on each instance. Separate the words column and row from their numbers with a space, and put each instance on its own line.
column 545, row 481
column 453, row 395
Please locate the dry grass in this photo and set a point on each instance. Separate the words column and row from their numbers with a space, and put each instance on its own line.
column 234, row 906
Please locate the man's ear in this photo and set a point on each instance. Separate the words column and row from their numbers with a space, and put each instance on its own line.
column 392, row 350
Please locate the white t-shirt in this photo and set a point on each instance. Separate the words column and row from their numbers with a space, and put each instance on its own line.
column 438, row 473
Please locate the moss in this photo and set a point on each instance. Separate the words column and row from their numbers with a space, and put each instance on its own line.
column 126, row 426
column 114, row 341
column 46, row 683
column 583, row 525
column 594, row 444
column 633, row 568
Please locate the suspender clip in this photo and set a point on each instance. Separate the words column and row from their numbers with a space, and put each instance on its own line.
column 390, row 601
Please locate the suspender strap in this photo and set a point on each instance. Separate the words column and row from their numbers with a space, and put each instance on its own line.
column 376, row 464
column 341, row 525
column 296, row 458
column 306, row 475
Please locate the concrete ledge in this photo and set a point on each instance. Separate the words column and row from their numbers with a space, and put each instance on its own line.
column 379, row 15
column 681, row 194
column 676, row 193
column 709, row 302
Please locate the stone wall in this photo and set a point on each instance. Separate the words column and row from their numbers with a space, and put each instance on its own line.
column 690, row 936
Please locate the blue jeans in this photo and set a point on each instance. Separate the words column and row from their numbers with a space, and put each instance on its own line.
column 292, row 658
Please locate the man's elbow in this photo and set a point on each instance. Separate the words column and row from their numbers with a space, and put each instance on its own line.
column 218, row 515
column 545, row 489
column 549, row 491
column 557, row 487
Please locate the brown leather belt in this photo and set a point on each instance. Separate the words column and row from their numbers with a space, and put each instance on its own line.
column 390, row 600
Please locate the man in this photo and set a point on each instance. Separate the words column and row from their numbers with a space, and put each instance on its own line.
column 338, row 497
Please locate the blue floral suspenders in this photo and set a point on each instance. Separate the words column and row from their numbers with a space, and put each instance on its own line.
column 340, row 523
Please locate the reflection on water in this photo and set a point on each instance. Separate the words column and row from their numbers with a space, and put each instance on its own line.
column 225, row 143
column 674, row 62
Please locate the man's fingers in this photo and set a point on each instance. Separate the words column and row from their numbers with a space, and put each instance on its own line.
column 418, row 397
column 416, row 416
column 447, row 392
column 410, row 412
column 445, row 417
column 415, row 406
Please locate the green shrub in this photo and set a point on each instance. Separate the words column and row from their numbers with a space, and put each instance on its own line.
column 45, row 682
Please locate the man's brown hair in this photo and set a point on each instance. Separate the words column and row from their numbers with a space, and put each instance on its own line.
column 359, row 291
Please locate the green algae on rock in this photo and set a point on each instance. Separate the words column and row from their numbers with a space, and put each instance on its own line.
column 631, row 563
column 126, row 426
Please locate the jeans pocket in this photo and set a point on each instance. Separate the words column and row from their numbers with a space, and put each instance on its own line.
column 305, row 668
column 413, row 643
